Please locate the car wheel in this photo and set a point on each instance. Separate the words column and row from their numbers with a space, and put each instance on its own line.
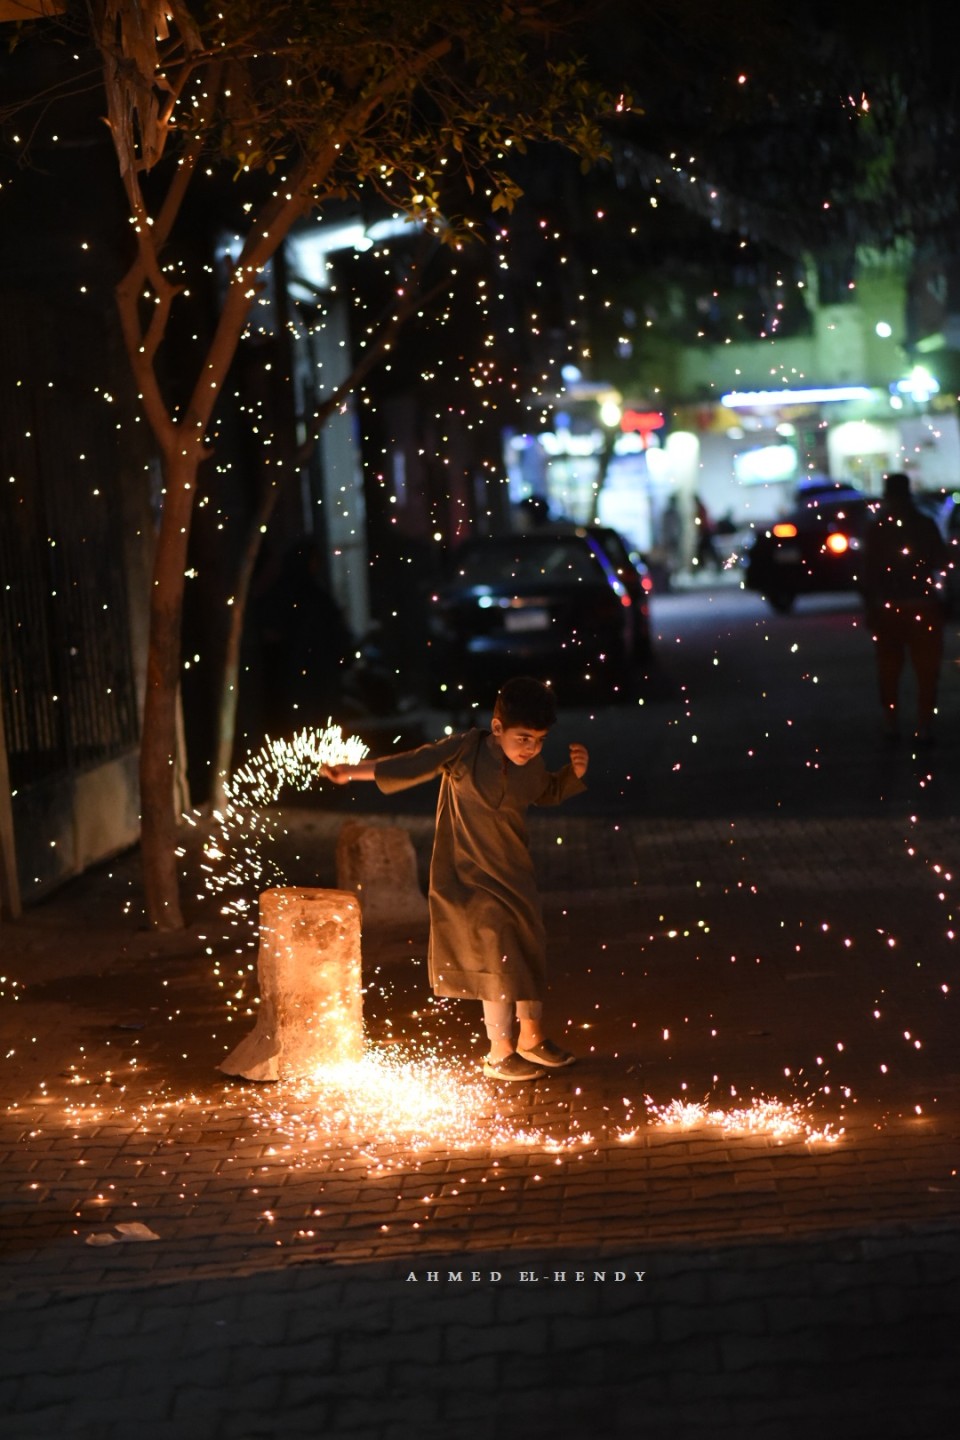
column 781, row 601
column 643, row 649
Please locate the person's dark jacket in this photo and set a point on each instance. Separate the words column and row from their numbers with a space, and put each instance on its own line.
column 904, row 556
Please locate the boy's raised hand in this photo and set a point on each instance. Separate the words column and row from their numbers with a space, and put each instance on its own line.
column 339, row 774
column 579, row 760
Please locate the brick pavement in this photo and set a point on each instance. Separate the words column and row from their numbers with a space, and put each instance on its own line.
column 789, row 1284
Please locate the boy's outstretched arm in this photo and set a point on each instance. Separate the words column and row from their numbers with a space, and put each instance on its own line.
column 341, row 774
column 579, row 760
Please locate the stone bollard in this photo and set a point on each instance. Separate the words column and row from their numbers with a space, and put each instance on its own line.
column 311, row 1003
column 379, row 864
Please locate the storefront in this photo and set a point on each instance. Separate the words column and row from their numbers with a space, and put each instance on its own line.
column 596, row 460
column 746, row 454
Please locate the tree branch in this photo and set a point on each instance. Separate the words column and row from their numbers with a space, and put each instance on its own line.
column 372, row 353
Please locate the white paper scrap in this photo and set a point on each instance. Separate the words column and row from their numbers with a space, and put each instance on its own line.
column 129, row 1230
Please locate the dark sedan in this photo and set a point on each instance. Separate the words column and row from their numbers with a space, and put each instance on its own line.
column 566, row 602
column 814, row 549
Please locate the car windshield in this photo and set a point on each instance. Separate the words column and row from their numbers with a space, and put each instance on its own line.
column 820, row 491
column 835, row 507
column 559, row 561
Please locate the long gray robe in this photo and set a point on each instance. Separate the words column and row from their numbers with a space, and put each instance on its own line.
column 487, row 938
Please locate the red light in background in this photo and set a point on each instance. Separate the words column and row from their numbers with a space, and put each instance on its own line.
column 641, row 422
column 785, row 530
column 837, row 543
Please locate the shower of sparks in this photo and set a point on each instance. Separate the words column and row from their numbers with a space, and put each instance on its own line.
column 397, row 1104
column 293, row 764
column 237, row 852
column 237, row 860
column 392, row 1110
column 770, row 1118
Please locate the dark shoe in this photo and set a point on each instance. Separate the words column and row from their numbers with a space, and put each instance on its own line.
column 549, row 1055
column 511, row 1067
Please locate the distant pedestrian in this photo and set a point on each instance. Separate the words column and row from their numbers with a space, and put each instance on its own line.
column 903, row 563
column 706, row 550
column 671, row 537
column 487, row 939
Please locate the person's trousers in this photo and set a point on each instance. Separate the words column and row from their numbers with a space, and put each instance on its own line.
column 913, row 628
column 499, row 1016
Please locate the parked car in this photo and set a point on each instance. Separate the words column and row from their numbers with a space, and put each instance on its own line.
column 813, row 549
column 561, row 601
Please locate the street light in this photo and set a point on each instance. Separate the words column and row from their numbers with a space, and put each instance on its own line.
column 919, row 386
column 611, row 413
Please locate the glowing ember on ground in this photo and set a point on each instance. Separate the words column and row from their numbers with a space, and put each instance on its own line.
column 773, row 1119
column 397, row 1101
column 392, row 1110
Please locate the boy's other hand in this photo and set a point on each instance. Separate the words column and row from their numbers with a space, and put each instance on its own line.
column 579, row 760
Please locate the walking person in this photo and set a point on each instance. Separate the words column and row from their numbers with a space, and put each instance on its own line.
column 706, row 550
column 904, row 559
column 487, row 938
column 671, row 540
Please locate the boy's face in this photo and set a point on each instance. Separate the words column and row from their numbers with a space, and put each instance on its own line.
column 519, row 743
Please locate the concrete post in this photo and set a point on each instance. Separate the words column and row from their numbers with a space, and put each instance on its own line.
column 311, row 1004
column 379, row 865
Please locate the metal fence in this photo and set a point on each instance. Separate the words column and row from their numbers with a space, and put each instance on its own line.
column 66, row 676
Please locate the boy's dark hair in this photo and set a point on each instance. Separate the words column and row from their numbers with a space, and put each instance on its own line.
column 525, row 701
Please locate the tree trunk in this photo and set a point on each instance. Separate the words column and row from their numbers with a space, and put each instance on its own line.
column 158, row 818
column 610, row 438
column 183, row 450
column 413, row 300
column 229, row 692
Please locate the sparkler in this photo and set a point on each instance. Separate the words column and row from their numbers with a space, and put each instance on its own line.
column 237, row 852
column 245, row 826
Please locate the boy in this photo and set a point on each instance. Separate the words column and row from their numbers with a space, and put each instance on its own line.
column 487, row 939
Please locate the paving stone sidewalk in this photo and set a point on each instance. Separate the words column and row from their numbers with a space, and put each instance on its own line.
column 792, row 1282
